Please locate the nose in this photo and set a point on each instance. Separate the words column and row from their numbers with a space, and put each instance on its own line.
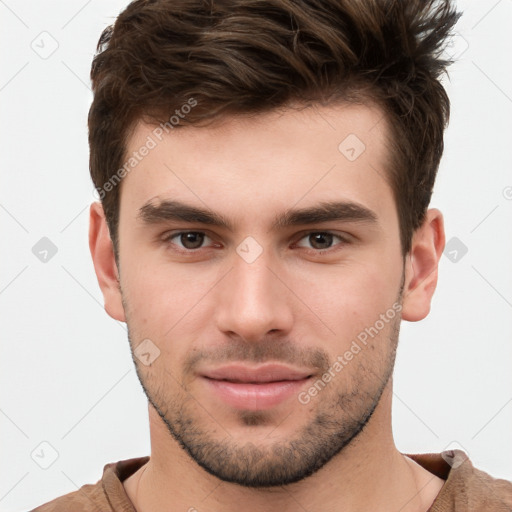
column 254, row 300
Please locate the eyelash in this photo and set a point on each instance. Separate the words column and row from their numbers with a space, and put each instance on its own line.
column 343, row 241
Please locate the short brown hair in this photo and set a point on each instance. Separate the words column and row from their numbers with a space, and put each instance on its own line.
column 229, row 57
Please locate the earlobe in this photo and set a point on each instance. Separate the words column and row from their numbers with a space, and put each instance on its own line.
column 102, row 252
column 421, row 266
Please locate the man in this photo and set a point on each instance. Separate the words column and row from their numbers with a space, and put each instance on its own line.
column 265, row 170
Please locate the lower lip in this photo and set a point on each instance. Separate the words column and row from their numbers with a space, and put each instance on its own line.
column 255, row 397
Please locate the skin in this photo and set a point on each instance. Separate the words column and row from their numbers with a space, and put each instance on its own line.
column 291, row 305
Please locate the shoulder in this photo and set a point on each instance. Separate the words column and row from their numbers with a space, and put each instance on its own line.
column 88, row 498
column 485, row 491
column 106, row 494
column 466, row 488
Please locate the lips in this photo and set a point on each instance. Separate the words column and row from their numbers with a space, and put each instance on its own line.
column 257, row 388
column 262, row 374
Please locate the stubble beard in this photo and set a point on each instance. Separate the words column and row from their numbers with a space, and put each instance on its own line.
column 338, row 419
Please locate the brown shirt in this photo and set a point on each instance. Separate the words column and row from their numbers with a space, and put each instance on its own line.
column 466, row 489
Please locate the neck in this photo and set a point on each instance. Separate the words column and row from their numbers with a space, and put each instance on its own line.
column 368, row 474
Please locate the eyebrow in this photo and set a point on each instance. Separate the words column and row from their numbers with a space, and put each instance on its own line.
column 171, row 210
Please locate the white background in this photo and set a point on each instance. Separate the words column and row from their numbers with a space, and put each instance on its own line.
column 66, row 373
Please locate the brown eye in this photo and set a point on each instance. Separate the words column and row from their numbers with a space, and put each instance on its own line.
column 187, row 240
column 321, row 240
column 192, row 240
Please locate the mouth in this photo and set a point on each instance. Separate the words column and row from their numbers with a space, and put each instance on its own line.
column 254, row 389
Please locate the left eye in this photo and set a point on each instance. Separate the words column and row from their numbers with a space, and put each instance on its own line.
column 321, row 240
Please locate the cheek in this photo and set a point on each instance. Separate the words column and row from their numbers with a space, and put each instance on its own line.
column 162, row 289
column 165, row 305
column 351, row 295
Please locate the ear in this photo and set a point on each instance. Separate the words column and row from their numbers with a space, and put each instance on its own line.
column 421, row 266
column 102, row 252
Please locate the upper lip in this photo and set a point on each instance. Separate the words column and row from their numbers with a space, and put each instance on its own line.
column 259, row 374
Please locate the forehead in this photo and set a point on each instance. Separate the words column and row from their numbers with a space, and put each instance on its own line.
column 250, row 165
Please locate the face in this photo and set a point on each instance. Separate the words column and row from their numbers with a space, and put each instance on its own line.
column 270, row 319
